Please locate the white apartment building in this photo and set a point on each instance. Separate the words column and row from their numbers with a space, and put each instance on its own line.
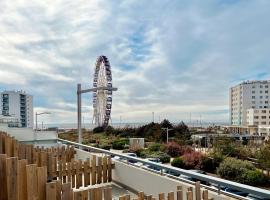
column 19, row 105
column 245, row 96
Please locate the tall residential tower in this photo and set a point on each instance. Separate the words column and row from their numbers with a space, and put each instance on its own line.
column 19, row 105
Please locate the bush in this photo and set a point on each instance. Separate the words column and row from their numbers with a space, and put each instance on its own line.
column 164, row 157
column 231, row 168
column 178, row 162
column 154, row 147
column 99, row 129
column 105, row 146
column 212, row 162
column 252, row 177
column 119, row 144
column 193, row 160
column 174, row 149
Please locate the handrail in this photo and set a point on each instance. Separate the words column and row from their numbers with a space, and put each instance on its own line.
column 218, row 181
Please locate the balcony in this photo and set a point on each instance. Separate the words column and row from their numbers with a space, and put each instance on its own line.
column 127, row 178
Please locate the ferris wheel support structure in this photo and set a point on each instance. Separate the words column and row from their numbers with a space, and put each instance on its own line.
column 102, row 95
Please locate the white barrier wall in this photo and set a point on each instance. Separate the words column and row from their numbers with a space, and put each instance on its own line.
column 28, row 134
column 149, row 182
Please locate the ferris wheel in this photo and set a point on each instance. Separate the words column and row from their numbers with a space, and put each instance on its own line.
column 102, row 92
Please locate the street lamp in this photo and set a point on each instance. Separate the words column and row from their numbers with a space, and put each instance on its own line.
column 42, row 113
column 167, row 131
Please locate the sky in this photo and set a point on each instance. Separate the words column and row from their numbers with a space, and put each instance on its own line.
column 176, row 58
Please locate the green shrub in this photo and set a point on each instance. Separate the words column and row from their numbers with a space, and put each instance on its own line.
column 178, row 162
column 164, row 157
column 232, row 168
column 105, row 146
column 119, row 144
column 252, row 177
column 99, row 129
column 212, row 162
column 154, row 147
column 240, row 171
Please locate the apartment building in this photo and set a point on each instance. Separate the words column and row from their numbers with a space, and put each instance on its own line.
column 19, row 105
column 248, row 95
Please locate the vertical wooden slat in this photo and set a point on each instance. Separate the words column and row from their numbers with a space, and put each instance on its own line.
column 98, row 193
column 79, row 174
column 93, row 170
column 170, row 196
column 58, row 189
column 85, row 195
column 161, row 196
column 104, row 169
column 41, row 182
column 54, row 167
column 78, row 195
column 189, row 195
column 74, row 165
column 22, row 179
column 12, row 179
column 51, row 191
column 198, row 190
column 205, row 194
column 3, row 176
column 179, row 195
column 108, row 193
column 69, row 168
column 31, row 181
column 67, row 192
column 60, row 174
column 86, row 174
column 140, row 196
column 109, row 169
column 99, row 169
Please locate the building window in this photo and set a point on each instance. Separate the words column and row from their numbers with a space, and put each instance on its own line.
column 261, row 92
column 265, row 107
column 263, row 117
column 261, row 97
column 261, row 86
column 263, row 123
column 256, row 117
column 253, row 92
column 263, row 111
column 253, row 86
column 253, row 97
column 266, row 92
column 253, row 102
column 266, row 86
column 266, row 102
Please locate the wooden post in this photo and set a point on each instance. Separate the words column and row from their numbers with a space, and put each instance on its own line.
column 86, row 172
column 22, row 179
column 12, row 179
column 93, row 170
column 31, row 181
column 205, row 194
column 198, row 190
column 3, row 175
column 104, row 169
column 109, row 169
column 67, row 191
column 51, row 191
column 161, row 196
column 79, row 174
column 108, row 193
column 99, row 175
column 171, row 196
column 140, row 196
column 41, row 182
column 58, row 189
column 189, row 195
column 179, row 195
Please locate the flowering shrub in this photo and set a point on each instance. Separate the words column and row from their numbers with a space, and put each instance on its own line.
column 193, row 160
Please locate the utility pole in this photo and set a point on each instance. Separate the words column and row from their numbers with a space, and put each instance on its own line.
column 153, row 117
column 167, row 132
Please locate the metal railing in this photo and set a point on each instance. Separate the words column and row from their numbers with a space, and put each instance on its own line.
column 210, row 179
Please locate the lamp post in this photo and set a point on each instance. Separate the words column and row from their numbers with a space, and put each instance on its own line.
column 42, row 113
column 167, row 131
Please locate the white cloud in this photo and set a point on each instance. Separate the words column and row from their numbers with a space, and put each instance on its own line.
column 169, row 57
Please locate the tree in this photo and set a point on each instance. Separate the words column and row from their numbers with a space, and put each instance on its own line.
column 166, row 124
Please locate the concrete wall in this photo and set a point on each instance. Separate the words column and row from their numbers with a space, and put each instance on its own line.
column 28, row 134
column 151, row 183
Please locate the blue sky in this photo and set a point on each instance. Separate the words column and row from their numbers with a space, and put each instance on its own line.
column 170, row 57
